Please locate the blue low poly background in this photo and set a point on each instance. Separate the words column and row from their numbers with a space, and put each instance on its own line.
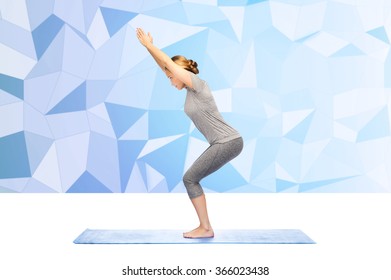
column 84, row 108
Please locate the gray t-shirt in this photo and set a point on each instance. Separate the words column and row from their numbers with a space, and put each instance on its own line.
column 201, row 108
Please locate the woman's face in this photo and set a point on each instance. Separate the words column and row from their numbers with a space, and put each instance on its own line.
column 174, row 81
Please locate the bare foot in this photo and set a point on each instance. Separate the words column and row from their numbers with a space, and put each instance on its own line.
column 199, row 232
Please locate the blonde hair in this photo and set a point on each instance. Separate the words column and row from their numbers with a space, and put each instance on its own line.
column 188, row 64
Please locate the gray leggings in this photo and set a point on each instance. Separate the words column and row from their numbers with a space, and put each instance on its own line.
column 211, row 160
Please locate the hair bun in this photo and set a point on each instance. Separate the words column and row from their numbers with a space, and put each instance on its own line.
column 193, row 63
column 193, row 66
column 188, row 64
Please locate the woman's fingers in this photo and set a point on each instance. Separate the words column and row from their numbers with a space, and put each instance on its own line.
column 143, row 37
column 140, row 32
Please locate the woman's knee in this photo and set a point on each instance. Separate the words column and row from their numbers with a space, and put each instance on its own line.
column 192, row 185
column 188, row 180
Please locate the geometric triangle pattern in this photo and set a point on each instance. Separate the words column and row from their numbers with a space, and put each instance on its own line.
column 74, row 101
column 84, row 107
column 116, row 19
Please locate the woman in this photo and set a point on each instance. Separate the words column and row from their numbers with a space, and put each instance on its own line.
column 225, row 142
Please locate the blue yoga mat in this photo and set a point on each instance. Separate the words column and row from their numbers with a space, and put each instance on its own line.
column 228, row 236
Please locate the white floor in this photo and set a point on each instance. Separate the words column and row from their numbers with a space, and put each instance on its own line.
column 352, row 231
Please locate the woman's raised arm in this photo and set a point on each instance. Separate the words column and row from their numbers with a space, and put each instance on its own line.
column 162, row 59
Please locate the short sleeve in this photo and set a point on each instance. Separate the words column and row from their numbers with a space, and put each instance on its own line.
column 198, row 84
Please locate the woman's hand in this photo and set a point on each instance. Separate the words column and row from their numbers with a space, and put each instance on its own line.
column 144, row 39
